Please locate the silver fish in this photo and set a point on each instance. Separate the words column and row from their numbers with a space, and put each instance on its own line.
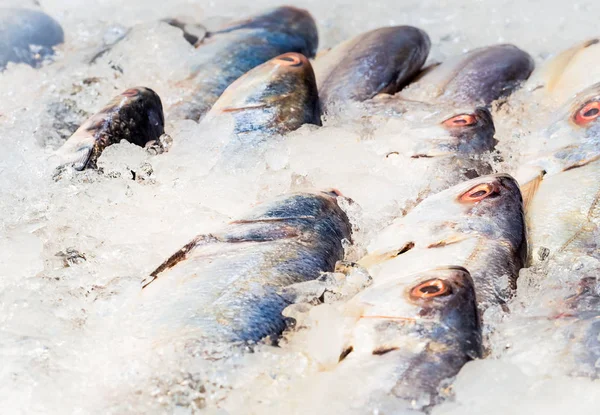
column 382, row 60
column 274, row 98
column 477, row 77
column 478, row 224
column 226, row 54
column 136, row 116
column 225, row 285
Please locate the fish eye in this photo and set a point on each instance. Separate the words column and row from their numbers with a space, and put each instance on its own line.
column 588, row 113
column 462, row 120
column 430, row 289
column 289, row 59
column 478, row 193
column 131, row 92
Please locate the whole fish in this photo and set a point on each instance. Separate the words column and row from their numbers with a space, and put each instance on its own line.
column 414, row 333
column 477, row 77
column 27, row 36
column 478, row 224
column 382, row 60
column 225, row 285
column 136, row 116
column 274, row 98
column 564, row 155
column 226, row 54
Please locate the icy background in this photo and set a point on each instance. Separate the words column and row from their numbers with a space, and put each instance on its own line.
column 73, row 251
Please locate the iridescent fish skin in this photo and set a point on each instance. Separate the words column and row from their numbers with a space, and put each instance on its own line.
column 226, row 285
column 27, row 36
column 477, row 77
column 478, row 224
column 418, row 330
column 274, row 98
column 136, row 116
column 382, row 60
column 228, row 53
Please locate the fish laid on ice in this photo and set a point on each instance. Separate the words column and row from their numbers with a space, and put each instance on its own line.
column 136, row 116
column 225, row 54
column 564, row 155
column 274, row 98
column 415, row 331
column 27, row 36
column 478, row 224
column 225, row 285
column 382, row 60
column 477, row 77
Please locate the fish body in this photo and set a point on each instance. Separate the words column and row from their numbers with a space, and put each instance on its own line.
column 382, row 60
column 136, row 115
column 228, row 53
column 226, row 285
column 478, row 224
column 27, row 36
column 274, row 98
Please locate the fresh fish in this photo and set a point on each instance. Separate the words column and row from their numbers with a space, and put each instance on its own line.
column 448, row 142
column 225, row 285
column 226, row 54
column 274, row 98
column 478, row 224
column 415, row 331
column 382, row 60
column 564, row 155
column 136, row 116
column 477, row 77
column 27, row 36
column 567, row 73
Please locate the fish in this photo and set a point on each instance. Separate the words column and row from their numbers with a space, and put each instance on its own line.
column 276, row 97
column 475, row 78
column 418, row 330
column 566, row 74
column 27, row 36
column 478, row 224
column 378, row 61
column 563, row 155
column 225, row 285
column 225, row 54
column 136, row 115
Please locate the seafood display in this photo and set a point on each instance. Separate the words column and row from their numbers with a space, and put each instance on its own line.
column 318, row 214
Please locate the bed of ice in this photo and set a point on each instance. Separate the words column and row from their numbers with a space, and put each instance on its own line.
column 74, row 249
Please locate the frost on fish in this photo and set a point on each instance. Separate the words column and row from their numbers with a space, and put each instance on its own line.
column 225, row 286
column 136, row 116
column 274, row 98
column 477, row 77
column 477, row 224
column 229, row 52
column 27, row 36
column 382, row 60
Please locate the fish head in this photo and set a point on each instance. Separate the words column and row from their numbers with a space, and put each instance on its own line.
column 437, row 306
column 451, row 222
column 139, row 106
column 285, row 19
column 279, row 95
column 451, row 132
column 477, row 77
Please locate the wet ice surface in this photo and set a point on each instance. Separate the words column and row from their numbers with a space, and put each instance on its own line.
column 73, row 251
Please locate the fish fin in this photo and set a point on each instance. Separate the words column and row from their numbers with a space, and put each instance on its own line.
column 377, row 258
column 179, row 256
column 530, row 188
column 245, row 108
column 449, row 241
